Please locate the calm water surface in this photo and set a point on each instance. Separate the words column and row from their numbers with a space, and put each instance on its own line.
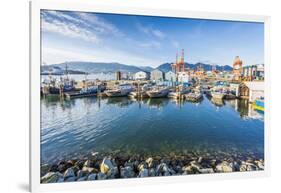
column 76, row 128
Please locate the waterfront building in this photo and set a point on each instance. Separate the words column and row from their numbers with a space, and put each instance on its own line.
column 253, row 72
column 141, row 75
column 260, row 71
column 170, row 76
column 237, row 68
column 157, row 75
column 199, row 71
column 118, row 75
column 252, row 90
column 183, row 77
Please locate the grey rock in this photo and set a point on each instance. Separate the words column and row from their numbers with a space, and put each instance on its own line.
column 224, row 167
column 106, row 165
column 101, row 176
column 142, row 166
column 69, row 173
column 152, row 172
column 163, row 169
column 206, row 170
column 70, row 179
column 81, row 173
column 143, row 173
column 89, row 169
column 260, row 164
column 92, row 177
column 127, row 172
column 246, row 166
column 82, row 179
column 149, row 162
column 112, row 173
column 89, row 163
column 52, row 177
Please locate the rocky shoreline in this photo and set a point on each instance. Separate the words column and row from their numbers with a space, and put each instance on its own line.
column 109, row 167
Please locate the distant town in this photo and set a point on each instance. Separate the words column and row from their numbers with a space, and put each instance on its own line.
column 243, row 81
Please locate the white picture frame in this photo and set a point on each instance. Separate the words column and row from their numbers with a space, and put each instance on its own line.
column 35, row 51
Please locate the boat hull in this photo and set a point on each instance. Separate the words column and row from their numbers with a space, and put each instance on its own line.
column 159, row 94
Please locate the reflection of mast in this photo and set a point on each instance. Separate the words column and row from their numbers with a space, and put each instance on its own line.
column 66, row 71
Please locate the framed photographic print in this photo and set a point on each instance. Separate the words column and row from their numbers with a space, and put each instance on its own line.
column 125, row 96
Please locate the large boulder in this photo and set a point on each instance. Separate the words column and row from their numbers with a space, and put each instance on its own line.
column 163, row 170
column 106, row 165
column 143, row 173
column 52, row 177
column 260, row 164
column 127, row 172
column 149, row 162
column 92, row 177
column 224, row 167
column 69, row 173
column 113, row 173
column 101, row 176
column 246, row 166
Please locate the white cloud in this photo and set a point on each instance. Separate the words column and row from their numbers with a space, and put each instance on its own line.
column 151, row 31
column 99, row 24
column 158, row 33
column 68, row 29
column 85, row 26
column 52, row 55
column 176, row 44
column 151, row 44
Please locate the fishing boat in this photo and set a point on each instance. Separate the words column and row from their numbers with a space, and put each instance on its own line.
column 217, row 101
column 121, row 90
column 141, row 93
column 193, row 97
column 136, row 94
column 85, row 92
column 182, row 90
column 158, row 92
column 217, row 94
column 259, row 104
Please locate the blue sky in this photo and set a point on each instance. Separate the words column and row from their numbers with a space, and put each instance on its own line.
column 147, row 41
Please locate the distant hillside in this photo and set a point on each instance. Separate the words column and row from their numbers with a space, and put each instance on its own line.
column 94, row 67
column 167, row 67
column 146, row 68
column 98, row 67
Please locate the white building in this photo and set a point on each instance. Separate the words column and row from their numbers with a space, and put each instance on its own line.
column 170, row 76
column 141, row 75
column 157, row 75
column 183, row 77
column 256, row 90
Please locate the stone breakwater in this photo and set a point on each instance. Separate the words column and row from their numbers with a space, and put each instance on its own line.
column 98, row 168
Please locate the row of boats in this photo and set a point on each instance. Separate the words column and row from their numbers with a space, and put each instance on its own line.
column 153, row 91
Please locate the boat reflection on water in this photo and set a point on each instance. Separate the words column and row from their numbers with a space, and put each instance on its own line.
column 119, row 101
column 217, row 102
column 157, row 102
column 246, row 109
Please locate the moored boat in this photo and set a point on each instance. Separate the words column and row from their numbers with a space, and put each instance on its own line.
column 121, row 90
column 259, row 104
column 158, row 92
column 217, row 94
column 85, row 92
column 193, row 97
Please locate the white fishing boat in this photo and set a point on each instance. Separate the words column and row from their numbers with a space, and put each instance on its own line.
column 158, row 92
column 179, row 92
column 193, row 97
column 217, row 94
column 121, row 90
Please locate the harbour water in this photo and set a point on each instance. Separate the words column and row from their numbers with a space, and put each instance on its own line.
column 78, row 128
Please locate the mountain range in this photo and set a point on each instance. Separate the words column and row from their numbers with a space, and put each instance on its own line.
column 99, row 67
